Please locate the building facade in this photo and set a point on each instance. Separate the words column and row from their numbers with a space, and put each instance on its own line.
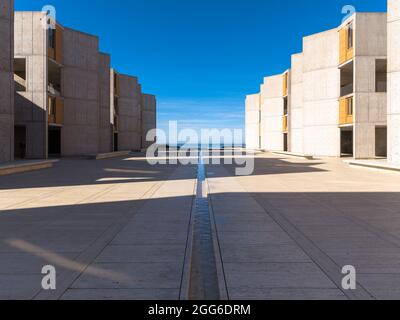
column 6, row 81
column 363, row 85
column 274, row 112
column 296, row 105
column 148, row 118
column 62, row 99
column 334, row 96
column 85, row 72
column 32, row 82
column 394, row 82
column 321, row 93
column 126, row 101
column 253, row 122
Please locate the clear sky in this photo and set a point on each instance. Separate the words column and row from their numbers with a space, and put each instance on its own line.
column 201, row 57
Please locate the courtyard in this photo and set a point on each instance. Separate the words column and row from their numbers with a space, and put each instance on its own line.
column 123, row 229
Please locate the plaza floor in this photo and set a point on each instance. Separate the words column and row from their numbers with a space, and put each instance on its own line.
column 122, row 229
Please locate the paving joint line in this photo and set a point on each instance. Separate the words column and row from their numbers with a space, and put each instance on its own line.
column 87, row 257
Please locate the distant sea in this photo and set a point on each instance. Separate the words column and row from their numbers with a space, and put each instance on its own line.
column 207, row 146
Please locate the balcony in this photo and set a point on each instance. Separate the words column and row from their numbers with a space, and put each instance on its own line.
column 285, row 126
column 346, row 109
column 285, row 84
column 55, row 44
column 56, row 111
column 346, row 35
column 54, row 90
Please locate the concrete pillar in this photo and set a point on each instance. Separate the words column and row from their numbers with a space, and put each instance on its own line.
column 369, row 105
column 253, row 118
column 296, row 105
column 394, row 81
column 6, row 80
column 321, row 86
column 149, row 117
column 272, row 113
column 80, row 133
column 130, row 132
column 105, row 125
column 30, row 46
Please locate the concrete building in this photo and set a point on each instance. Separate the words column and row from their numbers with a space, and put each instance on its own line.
column 274, row 112
column 87, row 126
column 321, row 93
column 344, row 89
column 60, row 101
column 105, row 121
column 394, row 82
column 296, row 125
column 34, row 57
column 6, row 80
column 363, row 85
column 148, row 117
column 126, row 99
column 334, row 99
column 253, row 122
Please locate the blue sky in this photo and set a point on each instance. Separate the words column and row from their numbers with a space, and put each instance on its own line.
column 201, row 57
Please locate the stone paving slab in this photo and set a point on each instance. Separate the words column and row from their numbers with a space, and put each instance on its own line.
column 69, row 217
column 336, row 214
column 131, row 276
column 121, row 294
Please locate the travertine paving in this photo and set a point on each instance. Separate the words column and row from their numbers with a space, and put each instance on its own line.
column 286, row 231
column 120, row 229
column 114, row 229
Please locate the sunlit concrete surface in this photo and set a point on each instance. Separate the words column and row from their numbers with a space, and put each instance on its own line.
column 394, row 81
column 6, row 83
column 286, row 231
column 114, row 229
column 120, row 229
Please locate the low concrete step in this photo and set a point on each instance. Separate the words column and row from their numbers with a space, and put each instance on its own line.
column 373, row 164
column 291, row 154
column 110, row 155
column 25, row 166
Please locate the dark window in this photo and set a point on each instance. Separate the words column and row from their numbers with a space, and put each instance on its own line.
column 285, row 106
column 350, row 107
column 350, row 36
column 381, row 75
column 52, row 38
column 20, row 74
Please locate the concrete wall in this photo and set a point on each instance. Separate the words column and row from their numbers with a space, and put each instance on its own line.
column 30, row 42
column 370, row 109
column 321, row 89
column 149, row 119
column 129, row 137
column 296, row 105
column 105, row 126
column 272, row 113
column 6, row 80
column 80, row 134
column 394, row 81
column 253, row 122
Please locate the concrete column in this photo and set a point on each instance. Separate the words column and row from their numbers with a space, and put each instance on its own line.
column 253, row 115
column 6, row 80
column 296, row 105
column 130, row 132
column 272, row 113
column 321, row 86
column 105, row 125
column 31, row 102
column 369, row 105
column 394, row 81
column 80, row 134
column 148, row 118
